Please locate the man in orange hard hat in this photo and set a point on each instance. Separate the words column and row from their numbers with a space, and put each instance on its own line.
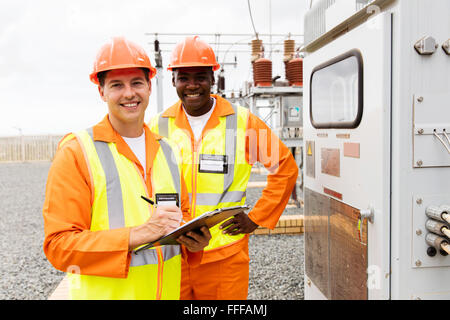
column 94, row 216
column 219, row 143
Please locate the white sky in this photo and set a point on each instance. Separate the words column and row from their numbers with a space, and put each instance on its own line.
column 47, row 49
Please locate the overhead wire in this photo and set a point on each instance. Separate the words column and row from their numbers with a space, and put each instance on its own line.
column 251, row 18
column 233, row 44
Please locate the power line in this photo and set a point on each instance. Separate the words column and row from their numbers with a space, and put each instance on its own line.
column 229, row 43
column 223, row 34
column 251, row 18
column 220, row 50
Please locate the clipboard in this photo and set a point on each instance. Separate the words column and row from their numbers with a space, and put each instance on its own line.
column 208, row 219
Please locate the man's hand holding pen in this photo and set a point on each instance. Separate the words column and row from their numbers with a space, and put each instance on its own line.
column 165, row 219
column 154, row 205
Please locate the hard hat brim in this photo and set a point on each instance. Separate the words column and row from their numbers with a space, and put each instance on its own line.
column 215, row 67
column 94, row 79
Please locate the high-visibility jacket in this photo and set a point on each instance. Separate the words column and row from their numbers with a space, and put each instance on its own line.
column 212, row 190
column 154, row 273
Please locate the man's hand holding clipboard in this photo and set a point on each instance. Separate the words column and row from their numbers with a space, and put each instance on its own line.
column 240, row 223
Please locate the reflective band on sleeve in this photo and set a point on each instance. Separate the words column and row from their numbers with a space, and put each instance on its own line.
column 113, row 188
column 213, row 199
column 171, row 162
column 163, row 126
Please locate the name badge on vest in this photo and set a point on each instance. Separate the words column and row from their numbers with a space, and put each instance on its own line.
column 213, row 163
column 167, row 199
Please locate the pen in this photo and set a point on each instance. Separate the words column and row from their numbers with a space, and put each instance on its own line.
column 155, row 205
column 149, row 201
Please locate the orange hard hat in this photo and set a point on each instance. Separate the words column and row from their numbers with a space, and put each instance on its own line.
column 120, row 53
column 193, row 52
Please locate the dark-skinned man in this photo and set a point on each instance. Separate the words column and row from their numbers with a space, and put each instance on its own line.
column 219, row 143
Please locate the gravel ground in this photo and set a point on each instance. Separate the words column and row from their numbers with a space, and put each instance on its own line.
column 25, row 272
column 276, row 265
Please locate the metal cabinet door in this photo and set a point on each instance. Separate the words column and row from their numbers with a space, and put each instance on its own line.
column 358, row 177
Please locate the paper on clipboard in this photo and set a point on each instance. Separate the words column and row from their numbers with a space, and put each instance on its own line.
column 209, row 219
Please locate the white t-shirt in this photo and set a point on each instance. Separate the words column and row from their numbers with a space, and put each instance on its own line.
column 137, row 145
column 198, row 123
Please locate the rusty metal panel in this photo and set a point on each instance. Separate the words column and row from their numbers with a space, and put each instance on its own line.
column 331, row 161
column 316, row 240
column 335, row 249
column 348, row 253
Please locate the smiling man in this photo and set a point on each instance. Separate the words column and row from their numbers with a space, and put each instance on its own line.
column 219, row 143
column 126, row 103
column 94, row 215
column 196, row 98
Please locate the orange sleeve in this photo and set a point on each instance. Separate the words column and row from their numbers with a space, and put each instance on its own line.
column 264, row 146
column 69, row 244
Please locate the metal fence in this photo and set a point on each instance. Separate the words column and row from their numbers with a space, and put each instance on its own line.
column 28, row 148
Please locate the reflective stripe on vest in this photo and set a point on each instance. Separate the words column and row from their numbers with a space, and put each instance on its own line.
column 213, row 199
column 230, row 134
column 109, row 211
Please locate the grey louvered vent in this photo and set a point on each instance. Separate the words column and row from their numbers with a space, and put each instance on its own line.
column 315, row 23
